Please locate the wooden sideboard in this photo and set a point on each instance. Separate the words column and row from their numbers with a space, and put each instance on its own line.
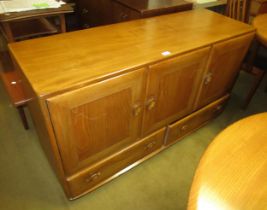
column 102, row 12
column 124, row 92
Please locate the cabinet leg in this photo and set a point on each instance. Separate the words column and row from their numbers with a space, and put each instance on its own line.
column 23, row 117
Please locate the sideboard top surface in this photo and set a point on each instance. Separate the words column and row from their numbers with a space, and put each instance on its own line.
column 65, row 61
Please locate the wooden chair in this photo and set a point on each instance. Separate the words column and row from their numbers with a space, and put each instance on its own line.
column 255, row 62
column 238, row 9
column 256, row 65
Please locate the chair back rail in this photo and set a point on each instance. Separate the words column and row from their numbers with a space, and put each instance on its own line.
column 238, row 9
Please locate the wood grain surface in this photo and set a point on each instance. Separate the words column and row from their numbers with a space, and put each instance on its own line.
column 56, row 63
column 232, row 173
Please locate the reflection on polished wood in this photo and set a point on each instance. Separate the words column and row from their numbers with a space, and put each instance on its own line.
column 232, row 172
column 260, row 23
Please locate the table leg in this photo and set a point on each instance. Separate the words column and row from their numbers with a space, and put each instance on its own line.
column 62, row 23
column 8, row 32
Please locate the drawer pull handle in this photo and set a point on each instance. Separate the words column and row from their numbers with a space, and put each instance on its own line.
column 150, row 145
column 86, row 25
column 84, row 11
column 124, row 16
column 151, row 103
column 184, row 127
column 208, row 78
column 93, row 177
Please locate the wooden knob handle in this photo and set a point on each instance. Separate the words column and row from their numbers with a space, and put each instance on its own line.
column 84, row 11
column 124, row 16
column 208, row 78
column 184, row 127
column 137, row 109
column 151, row 103
column 151, row 145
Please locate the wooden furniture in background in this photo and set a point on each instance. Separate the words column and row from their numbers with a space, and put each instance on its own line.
column 232, row 172
column 17, row 26
column 29, row 24
column 260, row 23
column 255, row 62
column 124, row 10
column 259, row 56
column 238, row 9
column 258, row 7
column 124, row 92
column 95, row 12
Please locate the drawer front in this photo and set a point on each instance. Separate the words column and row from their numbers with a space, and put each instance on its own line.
column 195, row 120
column 115, row 165
column 94, row 12
column 85, row 17
column 121, row 13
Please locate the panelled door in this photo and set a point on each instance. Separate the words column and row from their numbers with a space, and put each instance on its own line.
column 172, row 87
column 224, row 65
column 96, row 121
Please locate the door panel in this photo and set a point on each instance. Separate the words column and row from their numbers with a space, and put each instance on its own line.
column 171, row 89
column 224, row 65
column 96, row 121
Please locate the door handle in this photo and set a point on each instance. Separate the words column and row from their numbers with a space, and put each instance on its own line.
column 151, row 103
column 137, row 109
column 208, row 78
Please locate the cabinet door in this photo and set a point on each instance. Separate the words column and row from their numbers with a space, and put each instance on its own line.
column 96, row 121
column 172, row 87
column 224, row 65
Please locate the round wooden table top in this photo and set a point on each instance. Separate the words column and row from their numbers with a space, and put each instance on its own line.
column 232, row 173
column 260, row 23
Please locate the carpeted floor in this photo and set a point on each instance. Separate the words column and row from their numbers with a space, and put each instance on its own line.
column 161, row 183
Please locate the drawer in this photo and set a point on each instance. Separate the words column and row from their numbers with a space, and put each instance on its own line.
column 106, row 170
column 122, row 13
column 188, row 124
column 85, row 17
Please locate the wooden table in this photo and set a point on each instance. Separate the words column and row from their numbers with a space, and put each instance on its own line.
column 260, row 23
column 21, row 25
column 232, row 173
column 17, row 26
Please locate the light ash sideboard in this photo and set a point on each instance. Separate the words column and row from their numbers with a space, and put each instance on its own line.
column 106, row 99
